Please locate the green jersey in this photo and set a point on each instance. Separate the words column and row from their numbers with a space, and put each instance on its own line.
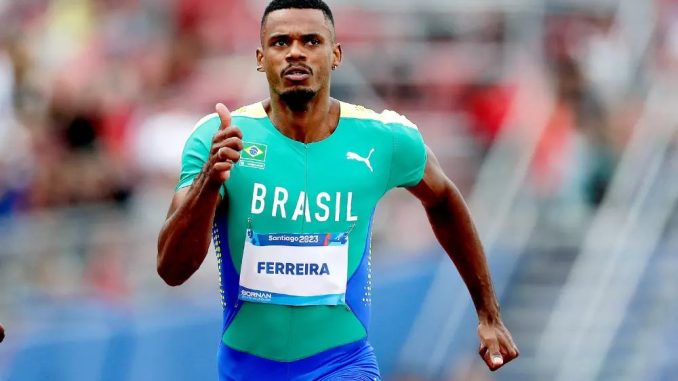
column 285, row 190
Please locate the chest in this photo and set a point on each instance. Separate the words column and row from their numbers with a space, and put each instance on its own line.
column 338, row 180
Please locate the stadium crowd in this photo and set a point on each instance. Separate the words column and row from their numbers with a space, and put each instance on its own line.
column 97, row 96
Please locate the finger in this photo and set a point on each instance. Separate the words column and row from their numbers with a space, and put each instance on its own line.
column 228, row 132
column 227, row 153
column 497, row 361
column 512, row 353
column 224, row 170
column 504, row 350
column 223, row 166
column 224, row 115
column 493, row 356
column 509, row 350
column 233, row 142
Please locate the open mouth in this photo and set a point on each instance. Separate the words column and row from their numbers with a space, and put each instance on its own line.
column 297, row 73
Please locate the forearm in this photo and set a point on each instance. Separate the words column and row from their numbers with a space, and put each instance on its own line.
column 454, row 229
column 185, row 237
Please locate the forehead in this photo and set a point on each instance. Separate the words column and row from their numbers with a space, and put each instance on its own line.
column 296, row 21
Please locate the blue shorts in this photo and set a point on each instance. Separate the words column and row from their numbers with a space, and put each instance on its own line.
column 355, row 362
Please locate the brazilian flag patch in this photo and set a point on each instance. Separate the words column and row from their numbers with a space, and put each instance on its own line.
column 253, row 155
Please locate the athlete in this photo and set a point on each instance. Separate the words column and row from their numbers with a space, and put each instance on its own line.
column 286, row 188
column 2, row 333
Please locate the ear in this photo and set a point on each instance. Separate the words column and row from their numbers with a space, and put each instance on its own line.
column 336, row 55
column 260, row 57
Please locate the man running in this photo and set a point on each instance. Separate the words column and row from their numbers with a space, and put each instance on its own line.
column 287, row 188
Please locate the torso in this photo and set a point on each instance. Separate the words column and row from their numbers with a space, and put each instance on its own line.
column 268, row 191
column 342, row 177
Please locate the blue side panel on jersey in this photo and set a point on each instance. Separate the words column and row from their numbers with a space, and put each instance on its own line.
column 228, row 273
column 355, row 361
column 359, row 287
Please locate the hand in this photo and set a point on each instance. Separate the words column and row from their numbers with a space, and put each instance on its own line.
column 496, row 344
column 225, row 151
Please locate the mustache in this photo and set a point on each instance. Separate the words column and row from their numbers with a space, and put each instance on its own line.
column 296, row 67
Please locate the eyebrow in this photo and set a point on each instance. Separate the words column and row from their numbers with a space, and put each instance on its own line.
column 305, row 36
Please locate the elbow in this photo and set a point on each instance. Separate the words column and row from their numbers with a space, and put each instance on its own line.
column 171, row 272
column 166, row 275
column 174, row 282
column 177, row 261
column 167, row 270
column 169, row 279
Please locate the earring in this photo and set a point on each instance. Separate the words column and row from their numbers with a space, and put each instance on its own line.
column 334, row 67
column 260, row 69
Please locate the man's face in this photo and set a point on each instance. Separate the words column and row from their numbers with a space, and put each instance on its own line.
column 298, row 52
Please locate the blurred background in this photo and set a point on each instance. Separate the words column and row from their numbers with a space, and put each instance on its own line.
column 556, row 119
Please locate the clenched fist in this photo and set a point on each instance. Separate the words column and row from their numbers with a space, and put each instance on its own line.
column 496, row 344
column 225, row 151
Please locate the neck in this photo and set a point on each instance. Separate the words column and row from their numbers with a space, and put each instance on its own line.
column 315, row 123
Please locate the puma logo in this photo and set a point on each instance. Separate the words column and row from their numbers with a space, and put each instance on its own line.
column 366, row 160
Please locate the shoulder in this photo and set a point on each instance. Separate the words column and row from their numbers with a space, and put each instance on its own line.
column 207, row 126
column 386, row 117
column 253, row 111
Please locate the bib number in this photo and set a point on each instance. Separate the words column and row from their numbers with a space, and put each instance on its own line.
column 294, row 269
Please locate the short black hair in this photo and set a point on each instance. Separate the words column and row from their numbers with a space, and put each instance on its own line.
column 276, row 5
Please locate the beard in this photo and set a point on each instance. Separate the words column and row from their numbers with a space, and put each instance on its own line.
column 297, row 100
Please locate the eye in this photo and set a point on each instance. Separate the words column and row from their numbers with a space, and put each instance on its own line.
column 313, row 42
column 280, row 43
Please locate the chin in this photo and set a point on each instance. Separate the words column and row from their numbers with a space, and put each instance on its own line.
column 293, row 88
column 297, row 98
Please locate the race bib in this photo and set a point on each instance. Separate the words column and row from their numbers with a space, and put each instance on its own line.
column 294, row 269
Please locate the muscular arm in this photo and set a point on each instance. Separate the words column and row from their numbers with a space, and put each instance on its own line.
column 454, row 229
column 185, row 237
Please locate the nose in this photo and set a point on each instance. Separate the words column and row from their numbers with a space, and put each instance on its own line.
column 296, row 52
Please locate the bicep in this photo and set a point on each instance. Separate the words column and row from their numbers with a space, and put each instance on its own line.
column 435, row 186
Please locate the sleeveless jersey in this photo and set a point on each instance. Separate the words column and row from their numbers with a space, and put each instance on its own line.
column 281, row 185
